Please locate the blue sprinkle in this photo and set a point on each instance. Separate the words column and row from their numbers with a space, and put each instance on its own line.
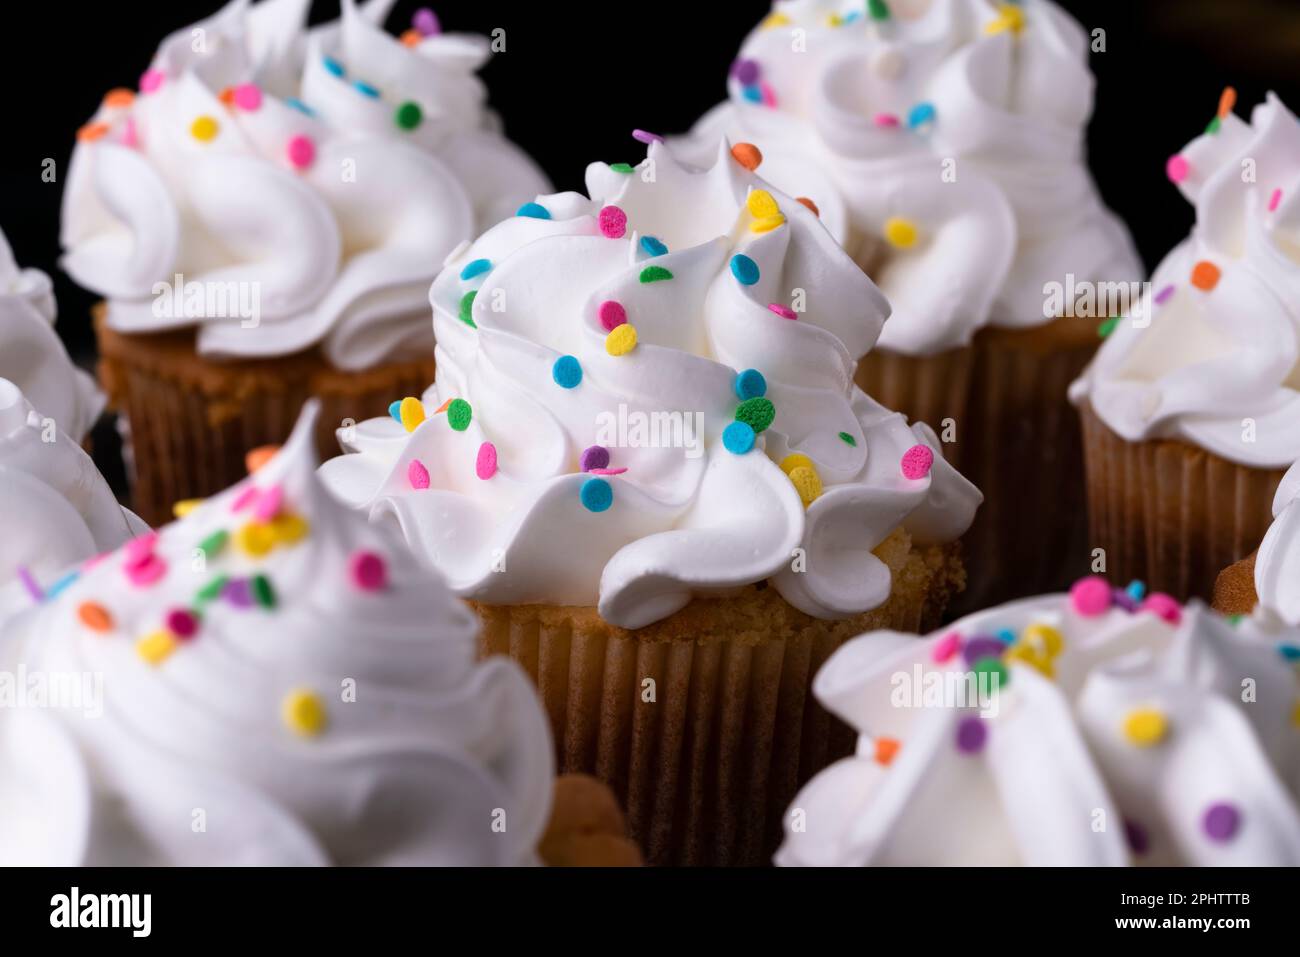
column 301, row 107
column 744, row 269
column 753, row 93
column 334, row 66
column 477, row 268
column 1136, row 590
column 919, row 115
column 597, row 495
column 61, row 584
column 567, row 372
column 1289, row 652
column 533, row 211
column 395, row 410
column 750, row 384
column 364, row 88
column 850, row 17
column 738, row 438
column 1006, row 635
column 652, row 246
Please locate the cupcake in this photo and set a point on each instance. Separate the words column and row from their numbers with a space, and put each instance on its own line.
column 646, row 464
column 1102, row 727
column 272, row 680
column 263, row 220
column 943, row 142
column 1190, row 409
column 1271, row 575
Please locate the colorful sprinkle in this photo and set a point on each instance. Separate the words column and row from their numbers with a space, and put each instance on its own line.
column 476, row 268
column 485, row 464
column 152, row 80
column 182, row 623
column 1137, row 590
column 747, row 72
column 655, row 274
column 744, row 269
column 408, row 115
column 417, row 474
column 567, row 372
column 268, row 503
column 1275, row 201
column 204, row 129
column 848, row 439
column 1178, row 168
column 1107, row 327
column 1164, row 295
column 982, row 646
column 738, row 438
column 155, row 648
column 213, row 589
column 425, row 21
column 1221, row 822
column 1139, row 842
column 945, row 648
column 214, row 543
column 238, row 592
column 972, row 734
column 809, row 204
column 611, row 314
column 410, row 38
column 1227, row 101
column 533, row 211
column 395, row 410
column 646, row 137
column 1090, row 596
column 459, row 414
column 887, row 121
column 917, row 462
column 795, row 460
column 761, row 204
column 886, row 750
column 248, row 97
column 995, row 670
column 618, row 471
column 258, row 457
column 288, row 529
column 1289, row 652
column 1205, row 275
column 593, row 457
column 900, row 233
column 95, row 616
column 334, row 66
column 613, row 222
column 1010, row 18
column 92, row 132
column 411, row 413
column 767, row 224
column 626, row 169
column 255, row 540
column 653, row 246
column 596, row 494
column 753, row 93
column 304, row 713
column 750, row 384
column 1044, row 638
column 621, row 340
column 262, row 592
column 146, row 572
column 300, row 106
column 747, row 155
column 878, row 9
column 366, row 89
column 757, row 413
column 807, row 483
column 785, row 312
column 920, row 115
column 1145, row 727
column 1163, row 606
column 465, row 311
column 368, row 571
column 301, row 151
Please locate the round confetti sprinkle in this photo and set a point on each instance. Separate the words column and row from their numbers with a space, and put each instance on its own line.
column 182, row 623
column 1044, row 638
column 886, row 750
column 476, row 268
column 597, row 495
column 418, row 475
column 1090, row 596
column 412, row 413
column 994, row 669
column 567, row 372
column 263, row 593
column 611, row 314
column 304, row 713
column 368, row 571
column 750, row 384
column 1005, row 635
column 613, row 222
column 204, row 129
column 410, row 38
column 465, row 311
column 747, row 72
column 785, row 312
column 155, row 648
column 887, row 121
column 1123, row 599
column 238, row 592
column 258, row 457
column 920, row 115
column 248, row 97
column 1139, row 842
column 426, row 22
column 981, row 647
column 593, row 457
column 268, row 504
column 619, row 471
column 900, row 233
column 945, row 647
column 621, row 340
column 917, row 462
column 147, row 571
column 747, row 155
column 485, row 464
column 795, row 460
column 395, row 410
column 646, row 137
column 1205, row 275
column 878, row 9
column 334, row 66
column 806, row 202
column 95, row 616
column 767, row 224
column 255, row 539
column 1221, row 822
column 1177, row 168
column 301, row 151
column 1145, row 727
column 738, row 438
column 92, row 132
column 753, row 93
column 213, row 545
column 757, row 413
column 1137, row 590
column 653, row 246
column 807, row 483
column 408, row 115
column 152, row 80
column 972, row 734
column 533, row 211
column 459, row 414
column 744, row 269
column 655, row 274
column 1107, row 327
column 625, row 168
column 760, row 203
column 1163, row 606
column 848, row 439
column 1289, row 652
column 288, row 529
column 366, row 89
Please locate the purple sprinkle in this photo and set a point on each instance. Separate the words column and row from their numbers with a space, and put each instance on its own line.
column 1163, row 295
column 33, row 589
column 596, row 457
column 1139, row 841
column 238, row 592
column 983, row 646
column 746, row 72
column 1221, row 821
column 1124, row 600
column 646, row 137
column 971, row 735
column 426, row 22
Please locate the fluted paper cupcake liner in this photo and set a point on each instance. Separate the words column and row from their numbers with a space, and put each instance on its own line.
column 1169, row 513
column 704, row 724
column 191, row 421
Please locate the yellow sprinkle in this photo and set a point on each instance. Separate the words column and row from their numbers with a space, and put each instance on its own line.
column 900, row 233
column 1145, row 727
column 795, row 460
column 1045, row 638
column 807, row 483
column 154, row 648
column 774, row 20
column 304, row 712
column 184, row 507
column 767, row 224
column 412, row 413
column 204, row 129
column 833, row 20
column 1034, row 658
column 762, row 204
column 255, row 539
column 1295, row 715
column 288, row 529
column 1010, row 17
column 622, row 340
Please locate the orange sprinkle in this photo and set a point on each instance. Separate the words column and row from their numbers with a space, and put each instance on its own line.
column 119, row 97
column 747, row 155
column 886, row 749
column 95, row 616
column 259, row 456
column 227, row 96
column 1227, row 101
column 810, row 204
column 1205, row 275
column 411, row 38
column 91, row 132
column 443, row 407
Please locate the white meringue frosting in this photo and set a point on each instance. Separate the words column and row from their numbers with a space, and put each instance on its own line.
column 1126, row 732
column 274, row 681
column 307, row 182
column 1216, row 360
column 945, row 141
column 524, row 490
column 1277, row 564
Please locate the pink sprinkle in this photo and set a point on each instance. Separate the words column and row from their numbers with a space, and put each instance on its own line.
column 917, row 462
column 1164, row 606
column 140, row 548
column 268, row 505
column 369, row 571
column 301, row 151
column 426, row 22
column 613, row 222
column 182, row 623
column 612, row 314
column 1177, row 169
column 1163, row 295
column 147, row 571
column 1275, row 201
column 886, row 120
column 785, row 312
column 1090, row 596
column 248, row 97
column 151, row 80
column 769, row 95
column 486, row 464
column 417, row 475
column 245, row 498
column 643, row 136
column 129, row 136
column 618, row 471
column 945, row 647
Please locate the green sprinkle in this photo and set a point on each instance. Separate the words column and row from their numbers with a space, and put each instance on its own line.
column 878, row 9
column 467, row 308
column 655, row 274
column 1235, row 620
column 1214, row 125
column 458, row 414
column 262, row 591
column 212, row 590
column 850, row 440
column 408, row 115
column 757, row 413
column 214, row 543
column 1107, row 327
column 996, row 671
column 623, row 168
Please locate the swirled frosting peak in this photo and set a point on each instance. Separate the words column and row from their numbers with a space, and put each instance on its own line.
column 1102, row 727
column 281, row 188
column 269, row 680
column 945, row 138
column 1212, row 357
column 1277, row 564
column 648, row 395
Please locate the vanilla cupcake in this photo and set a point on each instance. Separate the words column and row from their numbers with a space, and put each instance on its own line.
column 263, row 220
column 271, row 680
column 1191, row 410
column 943, row 142
column 1103, row 727
column 646, row 464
